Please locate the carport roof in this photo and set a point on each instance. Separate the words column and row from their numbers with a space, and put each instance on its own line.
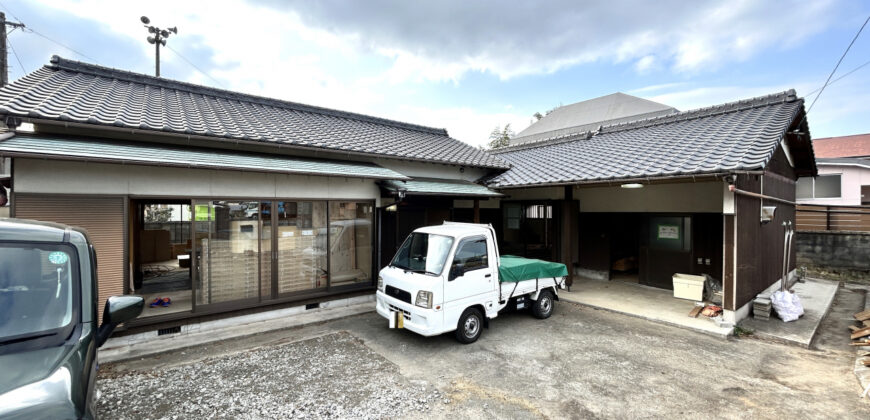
column 441, row 187
column 736, row 136
column 98, row 150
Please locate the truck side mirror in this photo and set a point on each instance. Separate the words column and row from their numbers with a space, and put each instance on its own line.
column 456, row 271
column 118, row 309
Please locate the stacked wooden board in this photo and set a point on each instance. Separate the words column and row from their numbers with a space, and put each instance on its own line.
column 862, row 332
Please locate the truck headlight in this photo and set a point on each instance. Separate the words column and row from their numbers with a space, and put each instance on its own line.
column 380, row 283
column 424, row 299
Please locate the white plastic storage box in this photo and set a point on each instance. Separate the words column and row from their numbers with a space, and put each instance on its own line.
column 687, row 286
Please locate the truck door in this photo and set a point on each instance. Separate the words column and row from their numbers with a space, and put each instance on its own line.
column 472, row 255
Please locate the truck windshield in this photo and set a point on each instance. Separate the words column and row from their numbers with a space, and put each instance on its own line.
column 423, row 253
column 37, row 283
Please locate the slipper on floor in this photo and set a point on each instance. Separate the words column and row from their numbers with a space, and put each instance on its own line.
column 166, row 302
column 156, row 302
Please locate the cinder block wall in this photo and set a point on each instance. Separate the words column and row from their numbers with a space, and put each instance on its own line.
column 833, row 250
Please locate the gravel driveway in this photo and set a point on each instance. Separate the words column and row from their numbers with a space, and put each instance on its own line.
column 580, row 363
column 332, row 376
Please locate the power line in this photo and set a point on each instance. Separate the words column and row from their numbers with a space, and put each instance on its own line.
column 835, row 69
column 10, row 11
column 31, row 30
column 195, row 67
column 841, row 77
column 23, row 72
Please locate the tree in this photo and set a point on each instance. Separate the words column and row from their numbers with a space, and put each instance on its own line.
column 500, row 137
column 538, row 115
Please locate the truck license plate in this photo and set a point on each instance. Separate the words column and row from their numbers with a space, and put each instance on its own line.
column 397, row 319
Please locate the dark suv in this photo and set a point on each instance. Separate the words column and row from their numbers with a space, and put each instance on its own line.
column 48, row 327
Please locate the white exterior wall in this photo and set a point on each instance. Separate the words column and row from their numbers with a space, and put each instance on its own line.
column 72, row 177
column 67, row 177
column 851, row 180
column 689, row 197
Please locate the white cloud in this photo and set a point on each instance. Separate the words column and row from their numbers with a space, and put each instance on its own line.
column 446, row 39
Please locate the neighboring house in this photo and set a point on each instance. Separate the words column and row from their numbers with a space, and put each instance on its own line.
column 588, row 115
column 655, row 192
column 844, row 172
column 289, row 200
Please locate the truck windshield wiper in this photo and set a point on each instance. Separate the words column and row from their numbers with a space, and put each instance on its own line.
column 423, row 272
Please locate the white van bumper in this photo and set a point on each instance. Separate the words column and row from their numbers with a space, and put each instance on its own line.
column 425, row 322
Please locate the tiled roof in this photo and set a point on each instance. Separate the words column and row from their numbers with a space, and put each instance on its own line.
column 735, row 136
column 842, row 147
column 79, row 92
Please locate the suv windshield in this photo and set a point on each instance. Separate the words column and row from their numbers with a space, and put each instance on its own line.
column 36, row 289
column 423, row 253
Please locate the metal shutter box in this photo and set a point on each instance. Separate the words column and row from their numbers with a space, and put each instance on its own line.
column 103, row 217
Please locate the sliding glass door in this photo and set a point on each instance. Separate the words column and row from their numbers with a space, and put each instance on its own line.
column 267, row 250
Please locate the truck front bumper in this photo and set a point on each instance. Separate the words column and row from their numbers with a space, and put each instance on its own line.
column 425, row 322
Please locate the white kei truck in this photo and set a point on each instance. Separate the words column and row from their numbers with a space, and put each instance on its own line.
column 451, row 277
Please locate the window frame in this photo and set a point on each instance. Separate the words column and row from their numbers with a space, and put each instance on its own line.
column 469, row 240
column 813, row 179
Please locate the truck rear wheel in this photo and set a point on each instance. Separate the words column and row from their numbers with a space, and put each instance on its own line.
column 470, row 326
column 543, row 307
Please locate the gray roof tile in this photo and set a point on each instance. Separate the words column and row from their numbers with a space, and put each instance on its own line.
column 740, row 135
column 72, row 91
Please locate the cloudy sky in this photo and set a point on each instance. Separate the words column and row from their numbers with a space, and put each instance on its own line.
column 471, row 65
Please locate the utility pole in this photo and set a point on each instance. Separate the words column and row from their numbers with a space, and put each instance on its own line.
column 158, row 39
column 4, row 64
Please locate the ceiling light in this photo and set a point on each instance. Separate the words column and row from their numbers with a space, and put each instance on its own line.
column 632, row 185
column 25, row 127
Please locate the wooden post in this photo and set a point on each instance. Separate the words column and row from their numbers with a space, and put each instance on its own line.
column 476, row 210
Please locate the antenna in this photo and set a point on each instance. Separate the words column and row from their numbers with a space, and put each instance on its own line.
column 157, row 38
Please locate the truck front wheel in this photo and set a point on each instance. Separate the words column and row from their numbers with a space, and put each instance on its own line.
column 470, row 326
column 543, row 307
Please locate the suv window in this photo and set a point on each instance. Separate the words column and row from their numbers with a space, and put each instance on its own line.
column 472, row 254
column 38, row 283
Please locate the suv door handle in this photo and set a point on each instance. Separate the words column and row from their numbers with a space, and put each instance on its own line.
column 488, row 275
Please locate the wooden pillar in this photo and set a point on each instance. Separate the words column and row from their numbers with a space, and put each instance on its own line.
column 568, row 232
column 476, row 210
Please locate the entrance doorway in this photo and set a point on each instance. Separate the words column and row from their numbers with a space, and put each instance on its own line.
column 160, row 246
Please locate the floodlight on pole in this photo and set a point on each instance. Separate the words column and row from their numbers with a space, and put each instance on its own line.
column 158, row 39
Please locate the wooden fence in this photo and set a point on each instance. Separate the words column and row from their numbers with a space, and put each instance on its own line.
column 833, row 218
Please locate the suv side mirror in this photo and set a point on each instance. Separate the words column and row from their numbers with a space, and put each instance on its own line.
column 456, row 271
column 118, row 309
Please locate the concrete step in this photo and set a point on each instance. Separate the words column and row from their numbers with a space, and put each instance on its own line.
column 150, row 343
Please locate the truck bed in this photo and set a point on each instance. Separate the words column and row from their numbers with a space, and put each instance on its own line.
column 519, row 288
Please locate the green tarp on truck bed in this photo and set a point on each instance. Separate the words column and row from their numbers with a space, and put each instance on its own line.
column 514, row 269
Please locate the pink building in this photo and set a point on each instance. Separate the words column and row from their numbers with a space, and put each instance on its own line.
column 844, row 172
